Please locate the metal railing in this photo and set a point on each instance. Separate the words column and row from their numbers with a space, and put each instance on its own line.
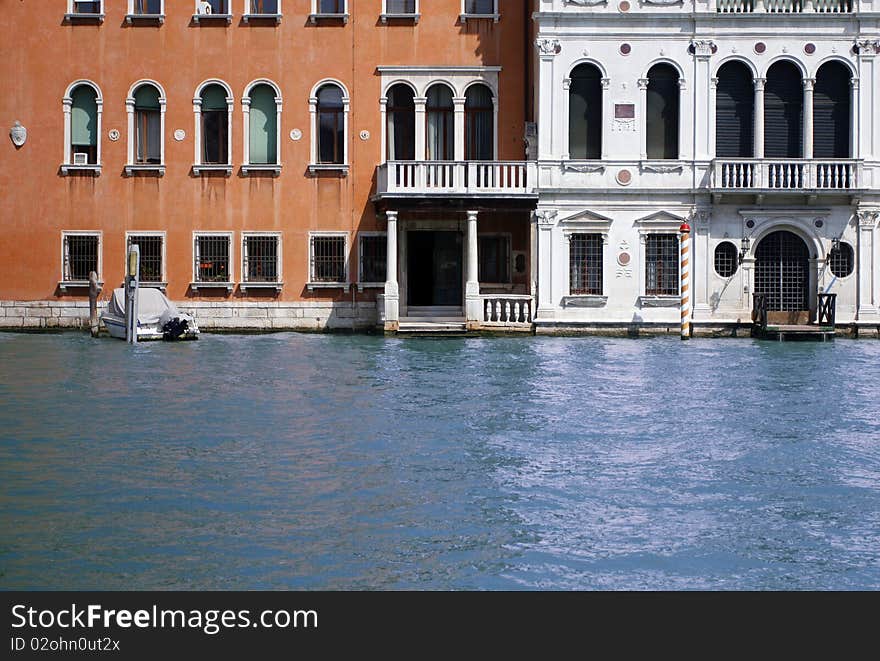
column 457, row 177
column 507, row 309
column 792, row 174
column 826, row 310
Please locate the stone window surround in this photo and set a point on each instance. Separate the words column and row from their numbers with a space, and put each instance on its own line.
column 131, row 167
column 311, row 284
column 314, row 165
column 199, row 167
column 279, row 280
column 64, row 282
column 163, row 235
column 196, row 284
column 67, row 106
column 247, row 166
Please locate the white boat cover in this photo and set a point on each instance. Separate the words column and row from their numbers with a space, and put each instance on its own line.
column 152, row 306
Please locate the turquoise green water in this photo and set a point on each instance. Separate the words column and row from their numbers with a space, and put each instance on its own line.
column 312, row 461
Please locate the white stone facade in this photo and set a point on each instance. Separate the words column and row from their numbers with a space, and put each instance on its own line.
column 624, row 196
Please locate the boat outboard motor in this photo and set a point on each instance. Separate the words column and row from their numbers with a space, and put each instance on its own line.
column 174, row 328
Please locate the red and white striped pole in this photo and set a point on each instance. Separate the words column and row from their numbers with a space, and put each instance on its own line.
column 685, row 231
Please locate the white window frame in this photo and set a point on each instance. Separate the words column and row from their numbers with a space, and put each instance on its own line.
column 247, row 167
column 464, row 17
column 73, row 14
column 163, row 281
column 363, row 284
column 67, row 165
column 316, row 16
column 278, row 284
column 314, row 165
column 132, row 17
column 198, row 167
column 131, row 167
column 198, row 17
column 196, row 284
column 386, row 15
column 311, row 284
column 656, row 300
column 65, row 283
column 247, row 15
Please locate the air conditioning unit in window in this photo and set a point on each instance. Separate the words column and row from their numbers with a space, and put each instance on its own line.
column 80, row 159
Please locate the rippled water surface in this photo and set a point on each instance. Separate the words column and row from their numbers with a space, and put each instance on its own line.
column 313, row 461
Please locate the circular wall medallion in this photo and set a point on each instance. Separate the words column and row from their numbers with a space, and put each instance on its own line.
column 365, row 135
column 760, row 47
column 624, row 259
column 179, row 135
column 296, row 134
column 818, row 222
column 809, row 49
column 625, row 49
column 624, row 177
column 624, row 5
column 750, row 223
column 113, row 134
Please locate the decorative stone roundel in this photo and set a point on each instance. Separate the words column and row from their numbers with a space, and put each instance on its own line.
column 760, row 47
column 180, row 135
column 296, row 135
column 624, row 177
column 624, row 6
column 809, row 49
column 113, row 134
column 624, row 258
column 750, row 223
column 819, row 223
column 625, row 49
column 365, row 135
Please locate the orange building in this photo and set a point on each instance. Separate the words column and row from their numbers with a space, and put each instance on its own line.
column 271, row 158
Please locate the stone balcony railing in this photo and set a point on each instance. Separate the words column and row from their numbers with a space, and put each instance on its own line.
column 507, row 310
column 811, row 175
column 783, row 6
column 456, row 178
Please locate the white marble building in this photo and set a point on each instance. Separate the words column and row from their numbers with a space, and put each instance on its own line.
column 756, row 121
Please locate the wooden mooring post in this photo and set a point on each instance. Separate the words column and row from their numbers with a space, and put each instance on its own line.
column 94, row 290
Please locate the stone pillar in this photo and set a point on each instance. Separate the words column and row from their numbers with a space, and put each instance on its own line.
column 392, row 291
column 642, row 120
column 702, row 263
column 473, row 307
column 869, row 123
column 855, row 118
column 704, row 107
column 565, row 119
column 759, row 117
column 545, row 220
column 383, row 118
column 421, row 126
column 808, row 117
column 867, row 223
column 459, row 134
column 547, row 50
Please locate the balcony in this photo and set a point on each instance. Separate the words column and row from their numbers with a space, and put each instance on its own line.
column 784, row 6
column 456, row 179
column 811, row 176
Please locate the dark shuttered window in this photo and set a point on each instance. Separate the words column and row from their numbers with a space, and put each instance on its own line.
column 662, row 115
column 585, row 113
column 831, row 111
column 735, row 112
column 783, row 112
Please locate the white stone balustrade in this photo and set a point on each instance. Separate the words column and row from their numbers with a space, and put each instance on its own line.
column 487, row 178
column 507, row 309
column 792, row 174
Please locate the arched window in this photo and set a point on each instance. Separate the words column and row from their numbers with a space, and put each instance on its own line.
column 841, row 259
column 783, row 112
column 262, row 114
column 735, row 112
column 585, row 113
column 831, row 111
column 82, row 148
column 147, row 126
column 441, row 124
column 331, row 125
column 662, row 112
column 214, row 126
column 726, row 259
column 401, row 123
column 479, row 108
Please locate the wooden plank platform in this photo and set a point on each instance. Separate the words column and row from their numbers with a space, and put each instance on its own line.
column 782, row 332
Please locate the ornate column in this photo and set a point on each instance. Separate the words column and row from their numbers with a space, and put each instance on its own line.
column 704, row 108
column 459, row 134
column 808, row 117
column 869, row 130
column 702, row 262
column 546, row 221
column 547, row 50
column 246, row 137
column 607, row 111
column 420, row 102
column 855, row 117
column 759, row 117
column 565, row 120
column 473, row 307
column 392, row 291
column 867, row 283
column 67, row 108
column 383, row 117
column 642, row 121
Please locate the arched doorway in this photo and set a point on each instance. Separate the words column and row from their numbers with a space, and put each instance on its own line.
column 782, row 272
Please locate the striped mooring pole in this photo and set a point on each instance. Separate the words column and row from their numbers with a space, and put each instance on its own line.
column 685, row 231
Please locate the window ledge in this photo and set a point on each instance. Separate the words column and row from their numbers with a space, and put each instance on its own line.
column 145, row 18
column 400, row 17
column 82, row 18
column 198, row 169
column 247, row 18
column 584, row 301
column 311, row 286
column 659, row 301
column 210, row 18
column 64, row 285
column 314, row 18
column 253, row 169
column 464, row 18
column 140, row 168
column 69, row 168
column 315, row 168
column 370, row 285
column 277, row 286
column 228, row 286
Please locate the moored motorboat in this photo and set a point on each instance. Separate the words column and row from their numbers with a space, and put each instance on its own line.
column 158, row 318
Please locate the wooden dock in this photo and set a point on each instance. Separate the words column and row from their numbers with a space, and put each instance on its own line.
column 794, row 332
column 795, row 324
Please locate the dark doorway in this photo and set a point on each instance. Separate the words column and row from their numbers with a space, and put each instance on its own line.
column 782, row 272
column 434, row 269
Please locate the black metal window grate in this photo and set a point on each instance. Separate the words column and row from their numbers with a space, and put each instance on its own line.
column 212, row 259
column 782, row 264
column 374, row 258
column 151, row 257
column 661, row 265
column 726, row 259
column 842, row 260
column 585, row 264
column 260, row 259
column 80, row 257
column 328, row 259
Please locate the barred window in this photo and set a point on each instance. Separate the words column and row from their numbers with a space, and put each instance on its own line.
column 585, row 261
column 328, row 258
column 212, row 258
column 494, row 254
column 661, row 265
column 260, row 258
column 725, row 259
column 151, row 256
column 841, row 260
column 80, row 256
column 374, row 255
